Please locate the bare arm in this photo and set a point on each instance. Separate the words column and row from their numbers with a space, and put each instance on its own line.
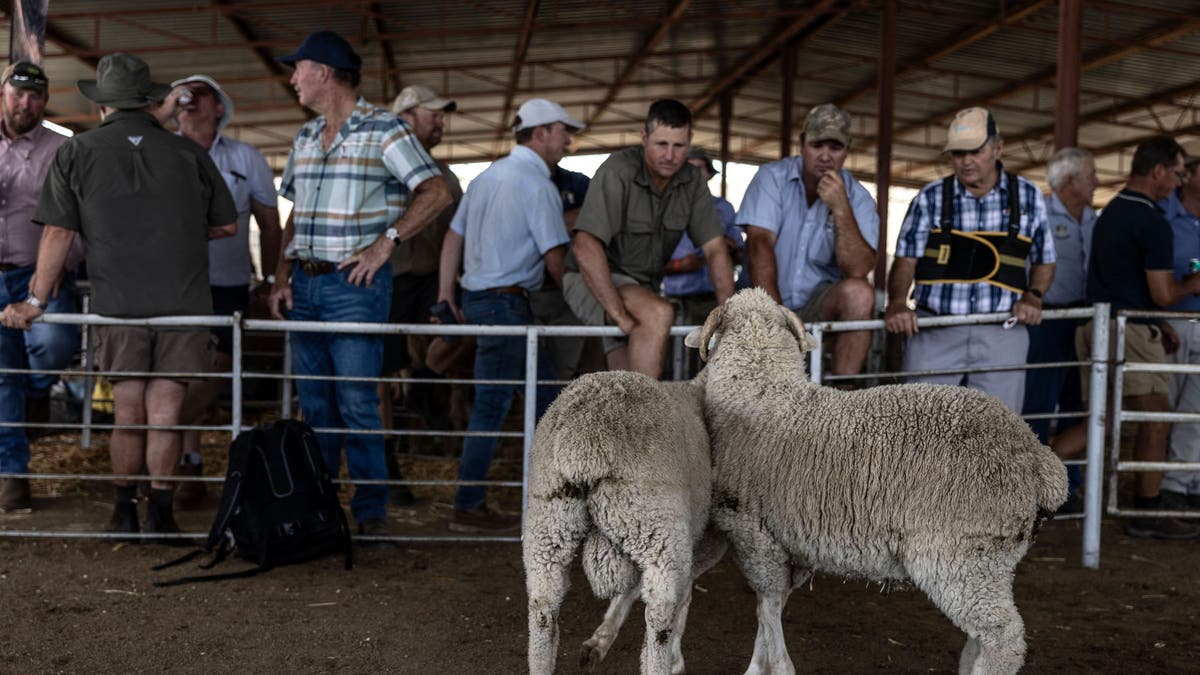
column 760, row 246
column 429, row 199
column 281, row 290
column 593, row 265
column 52, row 255
column 854, row 256
column 554, row 259
column 898, row 317
column 720, row 267
column 269, row 234
column 450, row 262
column 1165, row 291
column 222, row 231
column 1028, row 309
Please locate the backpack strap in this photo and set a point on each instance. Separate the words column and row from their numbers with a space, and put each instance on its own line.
column 201, row 578
column 946, row 223
column 1014, row 206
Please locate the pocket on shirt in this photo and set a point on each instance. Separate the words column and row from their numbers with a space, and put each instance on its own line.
column 635, row 246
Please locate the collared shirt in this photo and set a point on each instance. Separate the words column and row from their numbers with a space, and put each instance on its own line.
column 1131, row 237
column 639, row 225
column 24, row 162
column 697, row 281
column 804, row 246
column 988, row 213
column 420, row 253
column 1072, row 243
column 348, row 195
column 248, row 177
column 1185, row 228
column 510, row 216
column 143, row 200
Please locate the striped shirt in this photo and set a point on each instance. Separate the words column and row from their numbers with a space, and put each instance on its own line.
column 347, row 196
column 988, row 213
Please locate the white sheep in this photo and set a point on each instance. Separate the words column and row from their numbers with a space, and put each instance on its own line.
column 940, row 486
column 621, row 460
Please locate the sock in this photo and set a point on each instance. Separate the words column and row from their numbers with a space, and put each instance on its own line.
column 190, row 458
column 1147, row 502
column 162, row 499
column 126, row 494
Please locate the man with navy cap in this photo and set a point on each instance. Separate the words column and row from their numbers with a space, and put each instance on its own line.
column 361, row 183
column 507, row 234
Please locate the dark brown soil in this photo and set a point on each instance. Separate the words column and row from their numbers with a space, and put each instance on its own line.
column 87, row 606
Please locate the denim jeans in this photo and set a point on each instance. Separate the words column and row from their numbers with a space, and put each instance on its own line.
column 43, row 347
column 496, row 358
column 352, row 405
column 1048, row 389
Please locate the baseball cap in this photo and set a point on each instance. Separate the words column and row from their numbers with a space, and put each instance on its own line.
column 697, row 152
column 827, row 122
column 327, row 47
column 25, row 75
column 538, row 111
column 970, row 129
column 225, row 100
column 417, row 96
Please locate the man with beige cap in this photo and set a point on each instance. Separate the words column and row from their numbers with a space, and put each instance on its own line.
column 965, row 242
column 812, row 231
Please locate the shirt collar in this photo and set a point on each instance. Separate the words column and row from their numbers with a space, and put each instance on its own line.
column 525, row 154
column 1172, row 206
column 1001, row 186
column 139, row 116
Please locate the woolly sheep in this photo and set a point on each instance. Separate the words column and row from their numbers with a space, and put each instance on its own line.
column 940, row 486
column 621, row 460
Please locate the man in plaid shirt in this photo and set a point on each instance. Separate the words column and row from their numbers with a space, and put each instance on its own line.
column 361, row 183
column 982, row 203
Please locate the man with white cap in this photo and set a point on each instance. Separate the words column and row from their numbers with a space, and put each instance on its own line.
column 812, row 231
column 507, row 234
column 639, row 204
column 204, row 111
column 965, row 242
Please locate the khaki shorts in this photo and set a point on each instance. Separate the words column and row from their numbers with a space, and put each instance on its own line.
column 811, row 311
column 139, row 349
column 1143, row 344
column 589, row 310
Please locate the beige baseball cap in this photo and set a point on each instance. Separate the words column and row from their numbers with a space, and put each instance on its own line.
column 418, row 96
column 970, row 129
column 827, row 122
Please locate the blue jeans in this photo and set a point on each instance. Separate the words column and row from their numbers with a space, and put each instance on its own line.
column 351, row 405
column 42, row 347
column 1050, row 389
column 496, row 358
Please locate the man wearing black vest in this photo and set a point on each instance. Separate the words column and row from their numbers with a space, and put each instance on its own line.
column 965, row 242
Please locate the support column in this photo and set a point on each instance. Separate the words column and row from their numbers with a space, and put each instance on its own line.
column 886, row 97
column 787, row 98
column 726, row 115
column 1070, row 53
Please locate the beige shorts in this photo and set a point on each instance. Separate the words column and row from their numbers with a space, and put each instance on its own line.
column 139, row 349
column 811, row 311
column 589, row 310
column 1143, row 344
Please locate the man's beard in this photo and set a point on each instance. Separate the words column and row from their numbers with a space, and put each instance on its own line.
column 19, row 122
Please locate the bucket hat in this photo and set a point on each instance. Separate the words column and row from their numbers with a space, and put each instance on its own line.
column 123, row 81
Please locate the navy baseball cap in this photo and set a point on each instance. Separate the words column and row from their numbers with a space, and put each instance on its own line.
column 325, row 47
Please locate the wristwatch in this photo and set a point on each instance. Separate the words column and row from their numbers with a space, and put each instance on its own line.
column 393, row 234
column 1035, row 293
column 32, row 300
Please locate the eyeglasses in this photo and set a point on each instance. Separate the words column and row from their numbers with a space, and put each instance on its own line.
column 1180, row 174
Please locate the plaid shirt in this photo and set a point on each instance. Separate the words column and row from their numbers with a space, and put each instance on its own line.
column 971, row 214
column 349, row 195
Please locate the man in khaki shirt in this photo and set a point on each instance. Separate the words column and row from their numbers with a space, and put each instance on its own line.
column 638, row 206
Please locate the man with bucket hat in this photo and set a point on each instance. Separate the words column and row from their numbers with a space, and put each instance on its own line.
column 145, row 202
column 361, row 183
column 966, row 242
column 203, row 112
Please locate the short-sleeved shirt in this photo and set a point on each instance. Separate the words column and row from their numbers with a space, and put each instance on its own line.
column 988, row 213
column 572, row 185
column 143, row 199
column 348, row 195
column 509, row 218
column 1185, row 231
column 248, row 177
column 1131, row 238
column 697, row 281
column 24, row 162
column 638, row 225
column 1072, row 244
column 804, row 245
column 420, row 253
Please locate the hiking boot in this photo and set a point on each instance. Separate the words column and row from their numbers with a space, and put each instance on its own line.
column 1162, row 528
column 14, row 498
column 124, row 518
column 1073, row 506
column 374, row 527
column 190, row 494
column 484, row 520
column 160, row 517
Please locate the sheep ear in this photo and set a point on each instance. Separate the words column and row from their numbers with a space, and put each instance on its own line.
column 797, row 328
column 706, row 331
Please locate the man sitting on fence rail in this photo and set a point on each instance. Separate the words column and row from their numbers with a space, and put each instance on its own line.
column 146, row 202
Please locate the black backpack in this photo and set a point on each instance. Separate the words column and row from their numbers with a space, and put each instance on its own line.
column 278, row 505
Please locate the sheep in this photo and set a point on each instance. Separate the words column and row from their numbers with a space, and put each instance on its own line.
column 936, row 486
column 622, row 461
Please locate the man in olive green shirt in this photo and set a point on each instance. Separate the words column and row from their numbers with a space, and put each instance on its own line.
column 638, row 206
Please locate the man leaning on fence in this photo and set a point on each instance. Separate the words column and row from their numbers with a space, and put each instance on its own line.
column 26, row 150
column 360, row 182
column 980, row 223
column 507, row 234
column 145, row 202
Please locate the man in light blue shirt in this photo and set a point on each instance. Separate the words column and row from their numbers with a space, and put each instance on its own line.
column 812, row 232
column 506, row 235
column 1182, row 488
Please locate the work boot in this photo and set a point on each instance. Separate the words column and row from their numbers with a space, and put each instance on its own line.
column 160, row 517
column 14, row 498
column 190, row 494
column 124, row 518
column 374, row 527
column 399, row 495
column 1162, row 528
column 484, row 520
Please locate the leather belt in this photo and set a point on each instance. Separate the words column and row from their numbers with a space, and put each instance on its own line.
column 315, row 268
column 8, row 267
column 508, row 290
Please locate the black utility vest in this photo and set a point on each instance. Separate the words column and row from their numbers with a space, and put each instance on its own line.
column 957, row 257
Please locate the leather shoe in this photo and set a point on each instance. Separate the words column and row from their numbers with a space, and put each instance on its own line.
column 14, row 497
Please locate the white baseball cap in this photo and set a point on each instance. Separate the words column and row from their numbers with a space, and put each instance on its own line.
column 221, row 95
column 538, row 111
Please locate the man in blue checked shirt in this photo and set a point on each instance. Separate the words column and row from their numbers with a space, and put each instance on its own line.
column 361, row 183
column 966, row 241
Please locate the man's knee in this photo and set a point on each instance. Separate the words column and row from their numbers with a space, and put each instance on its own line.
column 851, row 300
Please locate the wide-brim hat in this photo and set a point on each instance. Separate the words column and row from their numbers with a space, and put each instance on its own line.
column 123, row 81
column 221, row 95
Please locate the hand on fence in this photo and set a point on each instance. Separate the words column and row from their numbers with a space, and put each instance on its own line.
column 898, row 318
column 1027, row 311
column 19, row 315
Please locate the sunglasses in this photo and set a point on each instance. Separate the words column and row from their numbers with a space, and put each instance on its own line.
column 27, row 79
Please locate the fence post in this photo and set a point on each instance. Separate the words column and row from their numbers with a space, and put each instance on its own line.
column 814, row 357
column 530, row 416
column 89, row 382
column 1097, row 404
column 235, row 415
column 285, row 409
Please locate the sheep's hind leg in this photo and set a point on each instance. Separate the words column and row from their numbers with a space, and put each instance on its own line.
column 553, row 532
column 665, row 590
column 769, row 571
column 596, row 647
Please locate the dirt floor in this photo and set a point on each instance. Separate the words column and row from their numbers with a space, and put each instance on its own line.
column 88, row 606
